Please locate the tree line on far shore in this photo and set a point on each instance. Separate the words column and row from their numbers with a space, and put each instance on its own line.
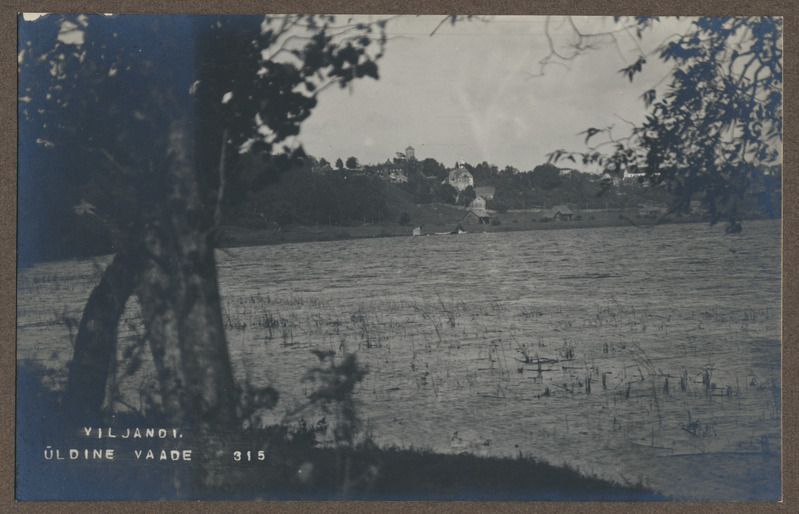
column 314, row 192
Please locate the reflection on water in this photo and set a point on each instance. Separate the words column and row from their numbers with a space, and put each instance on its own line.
column 625, row 353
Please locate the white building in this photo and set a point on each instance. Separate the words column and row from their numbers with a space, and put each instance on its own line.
column 460, row 178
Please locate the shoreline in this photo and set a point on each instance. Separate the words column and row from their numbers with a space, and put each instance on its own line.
column 243, row 235
column 260, row 233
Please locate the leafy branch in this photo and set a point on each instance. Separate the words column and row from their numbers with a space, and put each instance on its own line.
column 716, row 132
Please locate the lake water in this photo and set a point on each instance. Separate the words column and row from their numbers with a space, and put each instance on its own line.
column 638, row 355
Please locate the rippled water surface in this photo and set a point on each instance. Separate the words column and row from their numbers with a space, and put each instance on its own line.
column 639, row 355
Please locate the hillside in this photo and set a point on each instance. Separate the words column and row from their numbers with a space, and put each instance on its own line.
column 248, row 230
column 251, row 229
column 428, row 216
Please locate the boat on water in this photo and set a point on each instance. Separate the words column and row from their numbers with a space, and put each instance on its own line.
column 458, row 230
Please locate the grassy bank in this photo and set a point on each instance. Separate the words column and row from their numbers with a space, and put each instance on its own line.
column 438, row 219
column 294, row 465
column 370, row 473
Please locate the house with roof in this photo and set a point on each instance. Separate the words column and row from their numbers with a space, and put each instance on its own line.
column 460, row 178
column 559, row 213
column 477, row 212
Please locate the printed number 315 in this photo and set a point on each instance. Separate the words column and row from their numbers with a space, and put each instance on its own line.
column 249, row 455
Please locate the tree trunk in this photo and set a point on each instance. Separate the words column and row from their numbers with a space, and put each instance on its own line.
column 208, row 393
column 179, row 297
column 156, row 293
column 170, row 265
column 180, row 305
column 95, row 343
column 209, row 385
column 173, row 273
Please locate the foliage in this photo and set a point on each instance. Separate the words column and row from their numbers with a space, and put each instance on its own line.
column 446, row 193
column 405, row 218
column 421, row 186
column 85, row 104
column 301, row 196
column 99, row 93
column 253, row 401
column 352, row 163
column 265, row 93
column 149, row 118
column 334, row 394
column 546, row 176
column 467, row 196
column 484, row 173
column 433, row 168
column 717, row 130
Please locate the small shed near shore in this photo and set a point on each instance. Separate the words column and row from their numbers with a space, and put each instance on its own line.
column 477, row 215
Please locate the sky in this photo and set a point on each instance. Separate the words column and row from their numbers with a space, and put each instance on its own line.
column 475, row 92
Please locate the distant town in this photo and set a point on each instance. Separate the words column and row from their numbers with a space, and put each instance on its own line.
column 316, row 199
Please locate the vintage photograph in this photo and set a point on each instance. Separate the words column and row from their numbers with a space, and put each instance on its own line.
column 338, row 257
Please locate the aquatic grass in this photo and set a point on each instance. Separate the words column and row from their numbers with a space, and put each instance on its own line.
column 434, row 349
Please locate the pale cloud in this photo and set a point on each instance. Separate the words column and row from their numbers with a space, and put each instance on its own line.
column 472, row 91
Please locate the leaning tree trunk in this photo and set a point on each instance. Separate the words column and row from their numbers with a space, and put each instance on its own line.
column 95, row 343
